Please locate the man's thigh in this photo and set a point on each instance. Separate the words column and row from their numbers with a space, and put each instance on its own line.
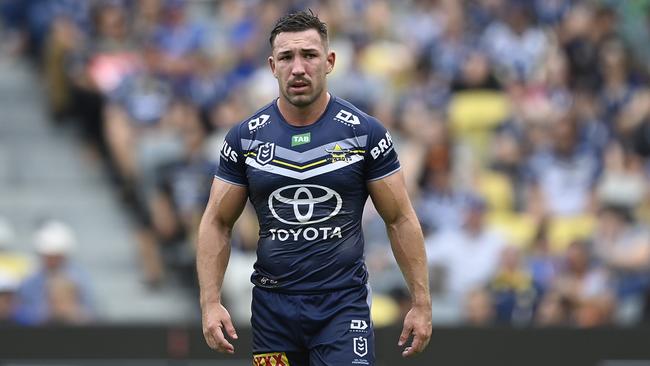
column 274, row 323
column 347, row 336
column 277, row 333
column 312, row 330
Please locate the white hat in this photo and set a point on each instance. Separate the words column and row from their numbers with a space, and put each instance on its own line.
column 7, row 234
column 54, row 238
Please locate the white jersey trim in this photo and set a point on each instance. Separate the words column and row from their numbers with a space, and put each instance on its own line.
column 304, row 175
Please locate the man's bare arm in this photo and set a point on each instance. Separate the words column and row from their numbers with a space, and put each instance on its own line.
column 393, row 204
column 213, row 252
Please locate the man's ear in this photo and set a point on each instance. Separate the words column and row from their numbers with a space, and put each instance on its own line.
column 331, row 60
column 272, row 66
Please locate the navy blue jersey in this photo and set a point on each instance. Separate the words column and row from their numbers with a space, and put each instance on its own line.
column 308, row 187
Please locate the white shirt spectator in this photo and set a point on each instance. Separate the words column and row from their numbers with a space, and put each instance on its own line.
column 565, row 183
column 469, row 261
column 519, row 54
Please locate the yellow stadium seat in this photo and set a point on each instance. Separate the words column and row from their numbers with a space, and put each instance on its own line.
column 519, row 229
column 564, row 230
column 475, row 111
column 497, row 191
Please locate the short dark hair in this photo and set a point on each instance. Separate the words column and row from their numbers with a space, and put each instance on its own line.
column 298, row 22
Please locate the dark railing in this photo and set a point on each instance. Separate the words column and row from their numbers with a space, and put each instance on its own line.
column 181, row 345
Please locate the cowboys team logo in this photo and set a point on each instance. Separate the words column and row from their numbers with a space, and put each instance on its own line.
column 360, row 346
column 337, row 153
column 304, row 204
column 265, row 153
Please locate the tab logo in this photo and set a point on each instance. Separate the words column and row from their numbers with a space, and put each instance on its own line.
column 358, row 325
column 347, row 118
column 258, row 122
column 301, row 139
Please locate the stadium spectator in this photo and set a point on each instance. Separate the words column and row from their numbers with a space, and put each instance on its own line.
column 581, row 291
column 474, row 245
column 38, row 298
column 623, row 247
column 8, row 287
column 563, row 177
column 479, row 308
column 512, row 289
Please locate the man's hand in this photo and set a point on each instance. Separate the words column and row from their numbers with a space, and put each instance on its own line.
column 215, row 320
column 417, row 323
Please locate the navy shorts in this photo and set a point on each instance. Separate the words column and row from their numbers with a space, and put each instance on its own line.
column 331, row 328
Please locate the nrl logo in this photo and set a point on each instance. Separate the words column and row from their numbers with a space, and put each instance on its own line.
column 360, row 345
column 339, row 154
column 265, row 153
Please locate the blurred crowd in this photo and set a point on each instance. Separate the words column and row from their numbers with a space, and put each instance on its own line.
column 523, row 129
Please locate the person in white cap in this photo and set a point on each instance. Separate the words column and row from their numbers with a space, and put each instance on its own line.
column 54, row 242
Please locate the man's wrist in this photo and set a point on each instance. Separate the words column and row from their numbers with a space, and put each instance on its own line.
column 210, row 300
column 423, row 301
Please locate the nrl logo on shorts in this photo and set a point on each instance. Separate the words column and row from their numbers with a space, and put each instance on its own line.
column 265, row 153
column 360, row 346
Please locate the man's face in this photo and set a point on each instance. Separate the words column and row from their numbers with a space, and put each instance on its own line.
column 301, row 63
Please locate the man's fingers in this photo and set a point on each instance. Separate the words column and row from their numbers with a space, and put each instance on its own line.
column 416, row 345
column 230, row 329
column 209, row 339
column 222, row 344
column 406, row 332
column 420, row 341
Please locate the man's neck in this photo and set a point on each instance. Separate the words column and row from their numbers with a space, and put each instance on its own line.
column 303, row 116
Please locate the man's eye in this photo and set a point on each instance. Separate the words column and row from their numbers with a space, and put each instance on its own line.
column 284, row 58
column 309, row 55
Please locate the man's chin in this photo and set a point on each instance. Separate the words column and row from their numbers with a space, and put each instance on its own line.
column 301, row 100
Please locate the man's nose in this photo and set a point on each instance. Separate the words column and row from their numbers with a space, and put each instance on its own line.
column 297, row 68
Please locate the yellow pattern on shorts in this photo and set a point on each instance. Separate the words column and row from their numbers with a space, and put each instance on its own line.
column 271, row 359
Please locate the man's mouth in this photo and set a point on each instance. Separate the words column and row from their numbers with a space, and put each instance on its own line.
column 298, row 85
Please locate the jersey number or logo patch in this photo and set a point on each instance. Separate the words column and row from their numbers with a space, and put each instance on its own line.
column 303, row 201
column 360, row 346
column 258, row 122
column 358, row 325
column 271, row 359
column 265, row 153
column 301, row 139
column 347, row 117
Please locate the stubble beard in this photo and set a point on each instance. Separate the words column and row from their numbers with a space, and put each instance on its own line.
column 302, row 100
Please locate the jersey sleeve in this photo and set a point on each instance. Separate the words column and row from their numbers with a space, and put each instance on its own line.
column 381, row 158
column 232, row 168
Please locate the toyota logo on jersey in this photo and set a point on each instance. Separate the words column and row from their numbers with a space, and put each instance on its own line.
column 303, row 204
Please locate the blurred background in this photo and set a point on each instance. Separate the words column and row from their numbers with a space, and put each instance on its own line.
column 523, row 129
